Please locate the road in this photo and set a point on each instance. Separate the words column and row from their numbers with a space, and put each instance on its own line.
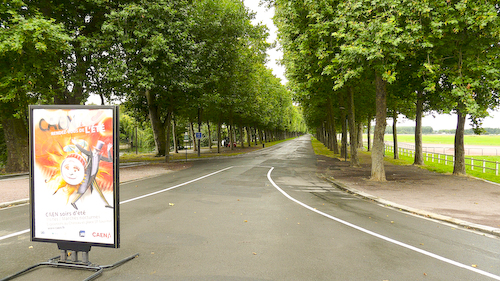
column 261, row 216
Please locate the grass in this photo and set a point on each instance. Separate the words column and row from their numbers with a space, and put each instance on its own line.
column 205, row 153
column 446, row 167
column 440, row 167
column 487, row 140
column 321, row 149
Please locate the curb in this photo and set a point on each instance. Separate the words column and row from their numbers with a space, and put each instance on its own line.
column 468, row 225
column 4, row 177
column 14, row 203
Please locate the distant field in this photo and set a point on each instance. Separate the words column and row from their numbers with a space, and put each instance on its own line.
column 488, row 140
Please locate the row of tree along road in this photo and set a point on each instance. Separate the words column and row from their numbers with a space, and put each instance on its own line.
column 350, row 61
column 196, row 61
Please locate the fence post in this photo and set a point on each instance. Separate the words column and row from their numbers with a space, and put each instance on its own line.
column 496, row 168
column 484, row 166
column 472, row 164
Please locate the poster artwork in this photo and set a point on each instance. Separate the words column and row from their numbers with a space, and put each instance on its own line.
column 73, row 175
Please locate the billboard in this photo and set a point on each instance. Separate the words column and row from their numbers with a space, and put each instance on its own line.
column 74, row 174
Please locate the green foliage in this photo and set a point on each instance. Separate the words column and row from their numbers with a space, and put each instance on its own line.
column 3, row 149
column 30, row 49
column 131, row 130
column 188, row 56
column 409, row 130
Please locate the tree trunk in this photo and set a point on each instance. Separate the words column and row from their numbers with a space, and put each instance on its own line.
column 219, row 136
column 231, row 136
column 249, row 134
column 168, row 128
column 333, row 130
column 368, row 133
column 156, row 124
column 419, row 154
column 343, row 149
column 199, row 131
column 193, row 137
column 174, row 137
column 353, row 131
column 242, row 137
column 334, row 136
column 395, row 134
column 209, row 136
column 459, row 165
column 16, row 140
column 360, row 134
column 378, row 169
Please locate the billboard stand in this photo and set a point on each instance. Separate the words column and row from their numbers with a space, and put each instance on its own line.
column 62, row 262
column 74, row 151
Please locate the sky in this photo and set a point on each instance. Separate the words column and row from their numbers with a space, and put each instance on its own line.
column 436, row 121
column 264, row 16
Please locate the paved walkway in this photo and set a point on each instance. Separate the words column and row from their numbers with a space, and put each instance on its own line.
column 462, row 200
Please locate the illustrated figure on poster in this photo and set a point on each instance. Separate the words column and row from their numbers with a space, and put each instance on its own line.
column 91, row 169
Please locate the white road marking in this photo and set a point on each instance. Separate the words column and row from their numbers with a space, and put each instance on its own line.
column 390, row 240
column 133, row 199
column 15, row 234
column 176, row 186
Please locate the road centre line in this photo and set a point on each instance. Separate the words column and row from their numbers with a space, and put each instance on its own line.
column 175, row 186
column 390, row 240
column 133, row 199
column 15, row 234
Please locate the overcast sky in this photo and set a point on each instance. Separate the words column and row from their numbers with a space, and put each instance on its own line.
column 264, row 16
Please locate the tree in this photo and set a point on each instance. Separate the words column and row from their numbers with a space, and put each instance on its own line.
column 464, row 56
column 82, row 21
column 153, row 50
column 30, row 49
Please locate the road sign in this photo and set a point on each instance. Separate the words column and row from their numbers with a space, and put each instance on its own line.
column 198, row 135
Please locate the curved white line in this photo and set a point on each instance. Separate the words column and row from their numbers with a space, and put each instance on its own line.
column 136, row 198
column 390, row 240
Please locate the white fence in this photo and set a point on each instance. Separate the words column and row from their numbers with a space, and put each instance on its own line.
column 447, row 159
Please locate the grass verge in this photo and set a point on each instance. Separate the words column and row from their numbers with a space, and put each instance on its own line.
column 441, row 166
column 182, row 155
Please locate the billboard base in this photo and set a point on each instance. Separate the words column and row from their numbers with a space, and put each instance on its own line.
column 63, row 262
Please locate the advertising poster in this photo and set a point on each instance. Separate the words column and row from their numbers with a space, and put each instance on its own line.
column 73, row 177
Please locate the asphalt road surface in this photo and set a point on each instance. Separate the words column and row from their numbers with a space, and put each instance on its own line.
column 261, row 216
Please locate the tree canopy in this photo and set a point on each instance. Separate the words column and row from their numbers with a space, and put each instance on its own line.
column 199, row 60
column 394, row 56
